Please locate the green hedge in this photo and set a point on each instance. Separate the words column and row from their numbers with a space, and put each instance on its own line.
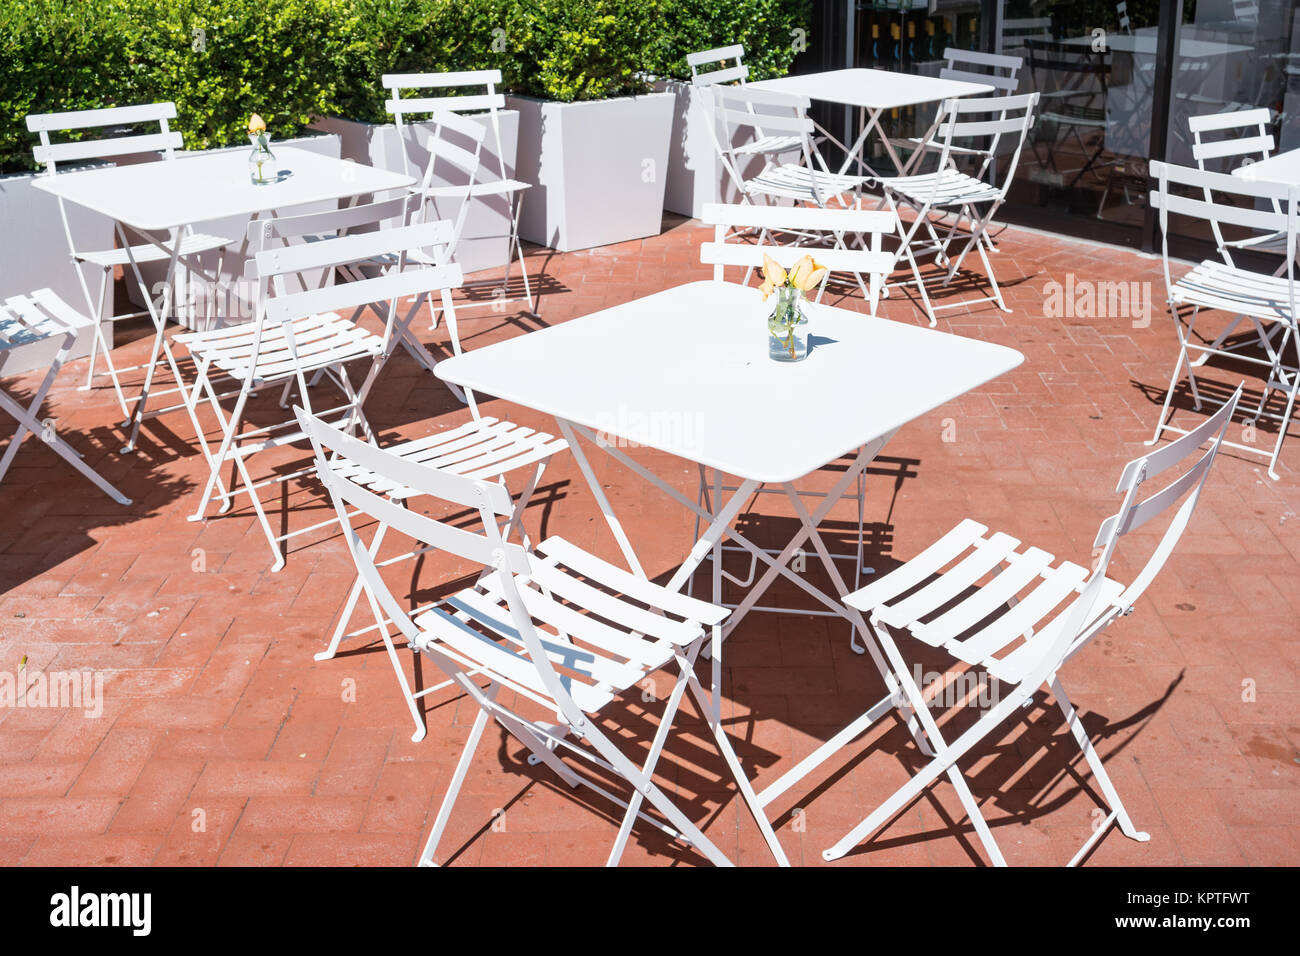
column 290, row 60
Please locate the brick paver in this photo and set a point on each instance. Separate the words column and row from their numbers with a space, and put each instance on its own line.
column 222, row 742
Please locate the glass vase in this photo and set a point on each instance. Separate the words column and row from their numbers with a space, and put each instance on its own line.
column 787, row 327
column 262, row 168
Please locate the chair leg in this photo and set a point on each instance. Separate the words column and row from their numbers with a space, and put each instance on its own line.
column 972, row 809
column 416, row 714
column 713, row 717
column 1095, row 764
column 652, row 758
column 453, row 788
column 1286, row 415
column 1161, row 423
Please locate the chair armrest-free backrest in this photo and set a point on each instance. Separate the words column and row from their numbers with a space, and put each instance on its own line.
column 722, row 73
column 394, row 284
column 399, row 108
column 973, row 66
column 874, row 223
column 1084, row 618
column 263, row 232
column 1245, row 134
column 48, row 153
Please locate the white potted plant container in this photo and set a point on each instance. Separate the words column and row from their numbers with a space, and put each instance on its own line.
column 599, row 168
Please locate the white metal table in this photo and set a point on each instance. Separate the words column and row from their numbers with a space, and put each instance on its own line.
column 686, row 371
column 872, row 92
column 160, row 199
column 1278, row 168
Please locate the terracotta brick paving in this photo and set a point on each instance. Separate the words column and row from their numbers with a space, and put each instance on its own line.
column 222, row 742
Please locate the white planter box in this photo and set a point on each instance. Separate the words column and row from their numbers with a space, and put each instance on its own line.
column 599, row 169
column 34, row 255
column 485, row 239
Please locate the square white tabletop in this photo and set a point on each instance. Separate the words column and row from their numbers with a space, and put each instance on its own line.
column 189, row 189
column 872, row 89
column 687, row 371
column 1279, row 168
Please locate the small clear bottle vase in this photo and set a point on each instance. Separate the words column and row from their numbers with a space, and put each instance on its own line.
column 787, row 327
column 262, row 168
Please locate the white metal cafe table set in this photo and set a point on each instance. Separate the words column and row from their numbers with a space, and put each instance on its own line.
column 161, row 201
column 695, row 353
column 872, row 93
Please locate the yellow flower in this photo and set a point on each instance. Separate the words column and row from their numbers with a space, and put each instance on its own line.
column 772, row 271
column 256, row 125
column 814, row 278
column 799, row 274
column 766, row 288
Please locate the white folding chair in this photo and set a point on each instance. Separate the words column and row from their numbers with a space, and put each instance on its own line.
column 482, row 184
column 561, row 632
column 484, row 448
column 969, row 66
column 1244, row 137
column 295, row 334
column 1268, row 301
column 24, row 321
column 1019, row 628
column 723, row 70
column 962, row 195
column 872, row 261
column 762, row 124
column 117, row 122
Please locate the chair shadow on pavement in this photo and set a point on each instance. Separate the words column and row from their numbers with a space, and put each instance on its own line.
column 1028, row 775
column 52, row 513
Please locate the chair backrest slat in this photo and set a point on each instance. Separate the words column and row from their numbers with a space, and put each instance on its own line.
column 716, row 55
column 460, row 104
column 798, row 217
column 860, row 261
column 415, row 81
column 1233, row 119
column 1007, row 84
column 112, row 116
column 1258, row 147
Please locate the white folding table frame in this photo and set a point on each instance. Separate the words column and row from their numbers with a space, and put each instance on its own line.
column 667, row 370
column 872, row 93
column 161, row 200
